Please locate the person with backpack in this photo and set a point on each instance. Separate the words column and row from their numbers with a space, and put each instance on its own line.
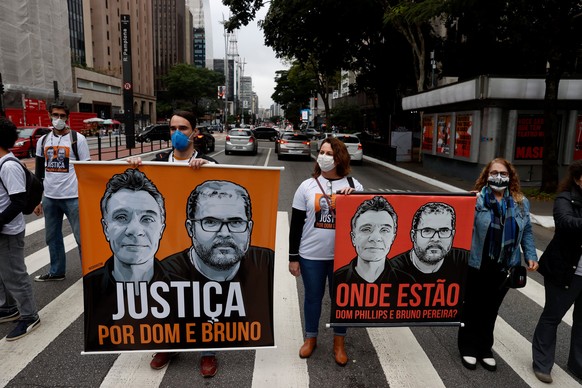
column 16, row 295
column 61, row 195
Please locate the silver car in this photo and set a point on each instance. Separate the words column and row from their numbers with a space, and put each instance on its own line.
column 294, row 144
column 240, row 140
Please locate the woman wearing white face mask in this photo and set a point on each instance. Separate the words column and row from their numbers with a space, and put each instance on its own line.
column 312, row 237
column 501, row 226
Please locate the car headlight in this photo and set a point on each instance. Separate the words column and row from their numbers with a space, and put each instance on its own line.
column 19, row 144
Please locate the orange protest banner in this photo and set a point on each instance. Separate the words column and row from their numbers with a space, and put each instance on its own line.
column 401, row 259
column 177, row 259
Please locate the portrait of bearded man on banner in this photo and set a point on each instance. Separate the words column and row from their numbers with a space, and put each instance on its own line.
column 433, row 256
column 219, row 223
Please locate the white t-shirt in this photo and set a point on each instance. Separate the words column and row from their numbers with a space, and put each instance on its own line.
column 14, row 180
column 60, row 180
column 318, row 236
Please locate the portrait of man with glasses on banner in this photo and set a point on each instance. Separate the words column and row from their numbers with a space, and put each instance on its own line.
column 433, row 256
column 219, row 222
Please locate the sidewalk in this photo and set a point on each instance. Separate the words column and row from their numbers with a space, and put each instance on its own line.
column 541, row 211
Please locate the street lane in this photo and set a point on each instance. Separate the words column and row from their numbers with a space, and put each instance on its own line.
column 380, row 357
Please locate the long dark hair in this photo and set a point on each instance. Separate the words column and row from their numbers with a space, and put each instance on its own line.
column 574, row 174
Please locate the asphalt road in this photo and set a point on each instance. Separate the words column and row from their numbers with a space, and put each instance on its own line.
column 379, row 357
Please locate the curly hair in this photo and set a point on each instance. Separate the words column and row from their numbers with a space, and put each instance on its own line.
column 514, row 185
column 341, row 157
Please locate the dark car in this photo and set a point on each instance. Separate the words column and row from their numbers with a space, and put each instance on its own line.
column 25, row 145
column 204, row 142
column 154, row 132
column 266, row 133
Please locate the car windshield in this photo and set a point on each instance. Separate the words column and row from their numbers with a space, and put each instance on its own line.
column 349, row 139
column 25, row 132
column 240, row 133
column 295, row 136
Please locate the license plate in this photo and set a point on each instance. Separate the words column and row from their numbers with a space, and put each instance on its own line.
column 295, row 151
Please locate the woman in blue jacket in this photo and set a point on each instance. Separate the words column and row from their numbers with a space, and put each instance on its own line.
column 561, row 266
column 502, row 224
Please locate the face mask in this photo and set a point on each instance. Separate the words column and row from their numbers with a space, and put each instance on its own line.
column 498, row 183
column 325, row 162
column 180, row 141
column 59, row 124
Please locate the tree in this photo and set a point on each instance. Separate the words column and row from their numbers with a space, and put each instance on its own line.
column 412, row 19
column 526, row 38
column 193, row 87
column 293, row 89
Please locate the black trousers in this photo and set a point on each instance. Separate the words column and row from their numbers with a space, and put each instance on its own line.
column 558, row 301
column 483, row 296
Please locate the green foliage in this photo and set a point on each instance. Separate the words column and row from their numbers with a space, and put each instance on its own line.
column 189, row 85
column 537, row 193
column 347, row 116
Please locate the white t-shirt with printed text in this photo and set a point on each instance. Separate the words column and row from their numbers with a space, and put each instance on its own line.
column 60, row 180
column 318, row 236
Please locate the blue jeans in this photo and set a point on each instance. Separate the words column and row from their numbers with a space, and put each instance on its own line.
column 54, row 209
column 314, row 274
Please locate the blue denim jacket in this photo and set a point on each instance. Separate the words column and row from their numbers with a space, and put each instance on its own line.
column 481, row 226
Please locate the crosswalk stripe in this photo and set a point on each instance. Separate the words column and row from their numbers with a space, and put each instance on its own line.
column 133, row 370
column 272, row 364
column 40, row 258
column 403, row 360
column 55, row 318
column 516, row 352
column 536, row 292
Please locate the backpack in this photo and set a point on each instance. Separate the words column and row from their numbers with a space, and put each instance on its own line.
column 34, row 188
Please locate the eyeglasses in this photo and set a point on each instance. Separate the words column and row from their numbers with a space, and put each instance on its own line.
column 211, row 224
column 430, row 232
column 504, row 174
column 59, row 116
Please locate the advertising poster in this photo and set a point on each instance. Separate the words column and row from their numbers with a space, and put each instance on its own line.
column 401, row 259
column 529, row 137
column 463, row 130
column 443, row 134
column 177, row 259
column 578, row 144
column 427, row 132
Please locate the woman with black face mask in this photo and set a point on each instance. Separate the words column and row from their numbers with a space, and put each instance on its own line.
column 502, row 224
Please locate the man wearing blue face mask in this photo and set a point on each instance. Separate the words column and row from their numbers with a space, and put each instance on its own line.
column 60, row 186
column 183, row 130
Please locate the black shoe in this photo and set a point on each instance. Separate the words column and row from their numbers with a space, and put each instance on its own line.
column 9, row 316
column 23, row 327
column 543, row 377
column 49, row 278
column 469, row 362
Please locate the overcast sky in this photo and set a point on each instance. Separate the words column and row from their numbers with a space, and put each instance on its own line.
column 261, row 63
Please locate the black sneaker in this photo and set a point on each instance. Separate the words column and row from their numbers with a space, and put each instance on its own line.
column 49, row 278
column 9, row 316
column 23, row 327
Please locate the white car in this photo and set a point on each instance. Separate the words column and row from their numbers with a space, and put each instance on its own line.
column 353, row 144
